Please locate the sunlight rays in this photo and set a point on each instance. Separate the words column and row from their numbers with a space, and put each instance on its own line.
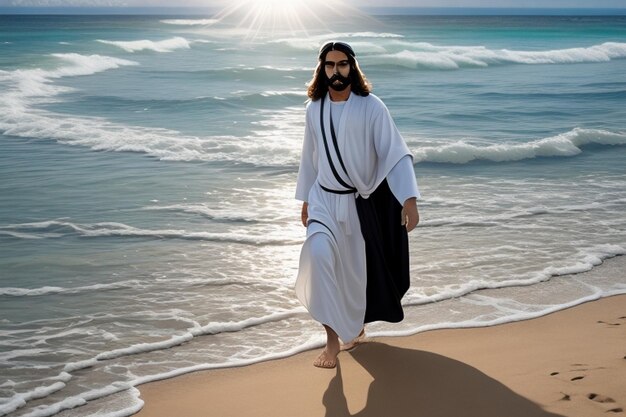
column 263, row 18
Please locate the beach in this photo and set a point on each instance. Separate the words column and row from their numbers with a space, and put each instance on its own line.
column 149, row 230
column 570, row 363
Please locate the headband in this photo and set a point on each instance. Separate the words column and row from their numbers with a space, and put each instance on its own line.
column 336, row 46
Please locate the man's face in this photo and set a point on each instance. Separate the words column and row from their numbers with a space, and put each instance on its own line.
column 337, row 69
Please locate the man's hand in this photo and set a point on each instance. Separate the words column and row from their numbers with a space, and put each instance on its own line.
column 305, row 213
column 410, row 215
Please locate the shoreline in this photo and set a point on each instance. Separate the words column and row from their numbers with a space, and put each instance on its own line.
column 568, row 363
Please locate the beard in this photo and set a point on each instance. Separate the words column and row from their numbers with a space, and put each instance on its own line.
column 338, row 82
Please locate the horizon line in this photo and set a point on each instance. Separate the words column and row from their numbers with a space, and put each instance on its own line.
column 96, row 9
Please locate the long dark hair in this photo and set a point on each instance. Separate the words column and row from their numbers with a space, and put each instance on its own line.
column 318, row 86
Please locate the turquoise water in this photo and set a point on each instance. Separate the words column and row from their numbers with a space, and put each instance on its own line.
column 148, row 164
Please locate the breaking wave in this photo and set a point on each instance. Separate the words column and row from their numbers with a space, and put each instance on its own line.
column 563, row 145
column 54, row 229
column 29, row 87
column 422, row 55
column 190, row 22
column 166, row 45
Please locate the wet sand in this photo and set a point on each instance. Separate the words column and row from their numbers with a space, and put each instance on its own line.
column 570, row 363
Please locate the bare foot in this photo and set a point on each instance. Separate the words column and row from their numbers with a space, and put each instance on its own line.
column 326, row 360
column 354, row 342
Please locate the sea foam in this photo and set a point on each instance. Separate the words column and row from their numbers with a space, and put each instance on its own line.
column 166, row 45
column 18, row 117
column 196, row 331
column 85, row 65
column 190, row 22
column 34, row 84
column 562, row 145
column 585, row 260
column 222, row 215
column 19, row 400
column 56, row 229
column 49, row 290
column 422, row 55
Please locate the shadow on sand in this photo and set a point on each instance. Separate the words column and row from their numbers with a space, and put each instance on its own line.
column 416, row 383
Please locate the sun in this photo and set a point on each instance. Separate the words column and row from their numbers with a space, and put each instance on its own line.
column 272, row 3
column 263, row 18
column 274, row 15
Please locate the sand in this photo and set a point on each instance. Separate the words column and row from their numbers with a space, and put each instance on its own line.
column 570, row 363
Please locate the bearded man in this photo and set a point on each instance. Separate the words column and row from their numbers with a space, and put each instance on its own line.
column 359, row 192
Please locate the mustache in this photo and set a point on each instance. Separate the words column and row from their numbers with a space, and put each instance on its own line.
column 338, row 79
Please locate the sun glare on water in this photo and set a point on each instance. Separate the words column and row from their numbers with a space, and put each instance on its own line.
column 269, row 17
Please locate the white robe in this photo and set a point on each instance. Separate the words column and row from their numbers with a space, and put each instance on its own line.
column 332, row 276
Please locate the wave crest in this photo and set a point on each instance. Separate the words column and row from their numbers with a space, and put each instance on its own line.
column 563, row 145
column 49, row 290
column 166, row 45
column 57, row 229
column 422, row 55
column 27, row 87
column 190, row 22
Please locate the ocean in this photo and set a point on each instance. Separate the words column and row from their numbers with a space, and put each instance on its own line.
column 147, row 171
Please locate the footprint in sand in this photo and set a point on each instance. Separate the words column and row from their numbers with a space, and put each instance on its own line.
column 556, row 373
column 579, row 367
column 610, row 324
column 605, row 400
column 576, row 378
column 600, row 398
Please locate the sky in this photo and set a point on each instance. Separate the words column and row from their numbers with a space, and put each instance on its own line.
column 359, row 3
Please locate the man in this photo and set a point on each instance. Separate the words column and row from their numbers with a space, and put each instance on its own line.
column 359, row 192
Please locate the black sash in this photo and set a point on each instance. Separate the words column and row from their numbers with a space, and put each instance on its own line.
column 386, row 242
column 349, row 189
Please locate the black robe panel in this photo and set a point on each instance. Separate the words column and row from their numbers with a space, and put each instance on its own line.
column 387, row 254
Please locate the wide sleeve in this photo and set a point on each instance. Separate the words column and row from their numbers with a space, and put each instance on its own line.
column 389, row 144
column 401, row 180
column 307, row 174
